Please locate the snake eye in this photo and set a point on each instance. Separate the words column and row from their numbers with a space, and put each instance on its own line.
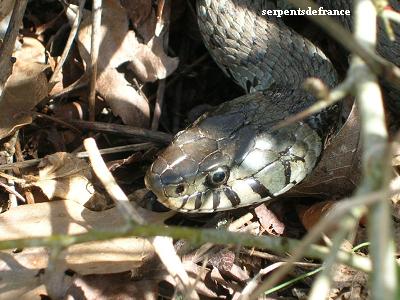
column 218, row 177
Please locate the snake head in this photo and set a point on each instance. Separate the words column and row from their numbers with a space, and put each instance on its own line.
column 188, row 169
column 231, row 158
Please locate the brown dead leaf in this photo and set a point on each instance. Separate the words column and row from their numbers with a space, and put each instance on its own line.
column 113, row 286
column 26, row 86
column 19, row 271
column 5, row 8
column 62, row 164
column 120, row 45
column 349, row 284
column 339, row 169
column 64, row 176
column 269, row 221
column 138, row 10
column 309, row 216
column 151, row 61
column 224, row 261
column 123, row 99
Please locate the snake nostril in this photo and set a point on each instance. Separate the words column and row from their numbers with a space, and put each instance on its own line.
column 180, row 189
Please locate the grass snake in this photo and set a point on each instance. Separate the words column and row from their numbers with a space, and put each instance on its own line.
column 230, row 157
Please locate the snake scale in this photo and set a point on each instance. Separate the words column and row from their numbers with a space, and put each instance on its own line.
column 231, row 157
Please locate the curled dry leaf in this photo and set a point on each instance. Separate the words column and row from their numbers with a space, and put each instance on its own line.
column 26, row 86
column 339, row 168
column 64, row 176
column 120, row 45
column 309, row 216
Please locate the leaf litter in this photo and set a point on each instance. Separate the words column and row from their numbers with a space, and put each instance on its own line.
column 132, row 60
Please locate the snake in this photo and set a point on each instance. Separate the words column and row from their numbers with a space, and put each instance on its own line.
column 235, row 156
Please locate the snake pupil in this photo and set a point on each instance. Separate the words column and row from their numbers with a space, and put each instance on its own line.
column 218, row 177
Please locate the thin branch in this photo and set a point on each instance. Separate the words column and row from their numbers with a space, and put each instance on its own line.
column 118, row 149
column 391, row 15
column 322, row 284
column 339, row 212
column 162, row 245
column 7, row 47
column 163, row 18
column 94, row 55
column 195, row 236
column 379, row 65
column 125, row 130
column 68, row 44
column 120, row 199
column 11, row 190
column 326, row 98
column 375, row 162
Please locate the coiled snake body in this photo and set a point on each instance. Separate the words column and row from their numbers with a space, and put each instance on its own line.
column 231, row 157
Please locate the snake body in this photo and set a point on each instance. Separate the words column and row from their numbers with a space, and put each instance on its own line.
column 232, row 156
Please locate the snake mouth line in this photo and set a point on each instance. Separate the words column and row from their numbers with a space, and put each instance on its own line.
column 223, row 198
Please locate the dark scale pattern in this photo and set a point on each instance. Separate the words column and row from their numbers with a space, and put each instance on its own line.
column 270, row 61
column 385, row 47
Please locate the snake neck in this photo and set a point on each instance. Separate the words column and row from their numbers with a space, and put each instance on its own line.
column 259, row 52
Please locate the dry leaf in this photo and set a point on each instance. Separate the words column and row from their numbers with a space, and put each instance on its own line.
column 309, row 216
column 123, row 99
column 269, row 220
column 349, row 284
column 5, row 8
column 120, row 45
column 113, row 286
column 62, row 164
column 64, row 176
column 65, row 217
column 26, row 86
column 138, row 10
column 339, row 169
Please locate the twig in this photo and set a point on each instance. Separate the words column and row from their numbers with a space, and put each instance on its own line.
column 12, row 191
column 94, row 55
column 322, row 284
column 391, row 15
column 7, row 47
column 33, row 162
column 275, row 258
column 120, row 199
column 163, row 19
column 8, row 153
column 56, row 120
column 252, row 284
column 339, row 212
column 145, row 134
column 68, row 44
column 195, row 236
column 162, row 245
column 375, row 162
column 379, row 65
column 158, row 104
column 327, row 99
